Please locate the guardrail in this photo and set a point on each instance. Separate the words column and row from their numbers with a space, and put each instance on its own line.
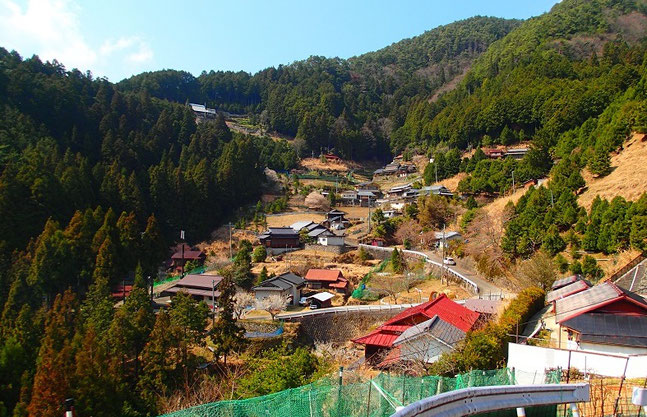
column 338, row 310
column 453, row 272
column 476, row 400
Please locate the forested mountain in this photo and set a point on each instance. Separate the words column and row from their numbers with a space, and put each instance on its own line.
column 350, row 105
column 97, row 179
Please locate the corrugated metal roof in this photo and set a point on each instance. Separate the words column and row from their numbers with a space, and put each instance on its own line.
column 378, row 337
column 443, row 307
column 322, row 296
column 323, row 275
column 593, row 298
column 482, row 306
column 300, row 225
column 565, row 281
column 566, row 291
column 199, row 281
column 610, row 329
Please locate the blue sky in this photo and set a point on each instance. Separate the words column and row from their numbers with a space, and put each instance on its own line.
column 118, row 38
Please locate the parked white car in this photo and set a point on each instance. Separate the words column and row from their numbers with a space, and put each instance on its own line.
column 449, row 261
column 303, row 301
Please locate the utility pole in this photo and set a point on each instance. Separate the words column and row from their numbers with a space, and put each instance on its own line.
column 442, row 268
column 369, row 214
column 230, row 226
column 182, row 239
column 213, row 303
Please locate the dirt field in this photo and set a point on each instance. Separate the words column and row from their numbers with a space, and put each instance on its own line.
column 288, row 219
column 315, row 164
column 628, row 178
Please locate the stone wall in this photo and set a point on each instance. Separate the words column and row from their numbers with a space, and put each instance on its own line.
column 338, row 250
column 340, row 328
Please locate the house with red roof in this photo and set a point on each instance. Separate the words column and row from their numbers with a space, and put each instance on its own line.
column 332, row 279
column 604, row 318
column 446, row 314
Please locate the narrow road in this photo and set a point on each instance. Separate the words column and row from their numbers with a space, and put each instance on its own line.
column 485, row 287
column 337, row 310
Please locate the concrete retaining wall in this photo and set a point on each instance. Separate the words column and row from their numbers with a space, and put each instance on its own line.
column 338, row 250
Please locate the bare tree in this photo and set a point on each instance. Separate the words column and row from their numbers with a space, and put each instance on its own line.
column 315, row 200
column 539, row 270
column 273, row 304
column 242, row 300
column 484, row 236
column 389, row 285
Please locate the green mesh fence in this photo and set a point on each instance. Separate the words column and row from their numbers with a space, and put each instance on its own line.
column 198, row 270
column 361, row 291
column 326, row 398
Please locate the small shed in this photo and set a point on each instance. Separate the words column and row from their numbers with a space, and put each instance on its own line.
column 322, row 299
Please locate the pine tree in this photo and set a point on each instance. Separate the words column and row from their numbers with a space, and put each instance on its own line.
column 600, row 163
column 153, row 247
column 226, row 335
column 55, row 359
column 98, row 306
column 189, row 317
column 159, row 358
column 262, row 276
column 94, row 386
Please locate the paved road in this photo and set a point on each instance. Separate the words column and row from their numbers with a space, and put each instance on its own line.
column 337, row 310
column 485, row 287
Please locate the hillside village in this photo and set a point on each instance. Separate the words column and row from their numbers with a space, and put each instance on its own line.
column 453, row 224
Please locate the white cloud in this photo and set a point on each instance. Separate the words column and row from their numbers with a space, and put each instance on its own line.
column 52, row 30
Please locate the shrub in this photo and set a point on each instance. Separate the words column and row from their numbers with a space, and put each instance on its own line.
column 260, row 253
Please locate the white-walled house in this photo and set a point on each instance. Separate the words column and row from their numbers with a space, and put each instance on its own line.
column 328, row 238
column 287, row 284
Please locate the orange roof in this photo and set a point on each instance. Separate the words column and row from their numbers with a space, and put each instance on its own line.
column 331, row 275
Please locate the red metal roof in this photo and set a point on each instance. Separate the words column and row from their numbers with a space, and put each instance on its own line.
column 446, row 309
column 323, row 275
column 443, row 307
column 378, row 337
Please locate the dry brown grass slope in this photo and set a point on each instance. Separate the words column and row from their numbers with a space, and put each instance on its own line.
column 628, row 178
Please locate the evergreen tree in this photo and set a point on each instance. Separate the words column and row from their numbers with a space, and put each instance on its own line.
column 55, row 359
column 397, row 262
column 600, row 163
column 189, row 318
column 153, row 247
column 94, row 387
column 160, row 362
column 226, row 335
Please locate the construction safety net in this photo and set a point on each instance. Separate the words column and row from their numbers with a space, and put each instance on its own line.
column 377, row 397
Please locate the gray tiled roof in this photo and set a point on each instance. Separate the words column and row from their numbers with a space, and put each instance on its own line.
column 282, row 282
column 435, row 327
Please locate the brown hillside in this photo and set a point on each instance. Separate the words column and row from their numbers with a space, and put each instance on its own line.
column 628, row 178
